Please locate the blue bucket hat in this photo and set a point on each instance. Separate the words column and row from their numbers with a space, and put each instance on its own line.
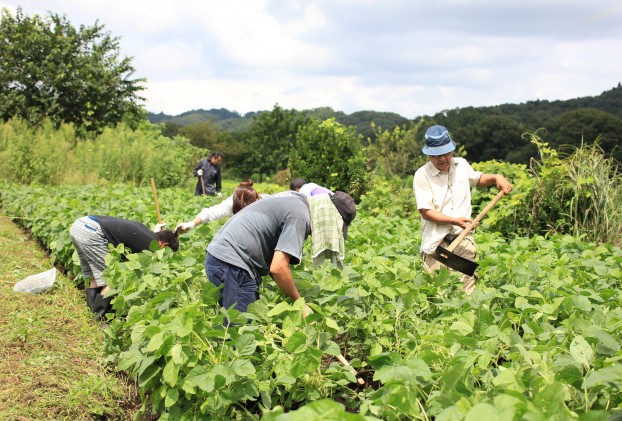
column 437, row 141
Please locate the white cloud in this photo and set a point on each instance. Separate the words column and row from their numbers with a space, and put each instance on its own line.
column 409, row 57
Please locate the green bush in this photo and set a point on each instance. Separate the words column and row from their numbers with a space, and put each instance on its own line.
column 576, row 193
column 330, row 154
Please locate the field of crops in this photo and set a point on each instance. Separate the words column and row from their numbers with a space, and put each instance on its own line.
column 538, row 339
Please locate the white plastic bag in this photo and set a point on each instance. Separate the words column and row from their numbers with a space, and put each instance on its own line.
column 36, row 284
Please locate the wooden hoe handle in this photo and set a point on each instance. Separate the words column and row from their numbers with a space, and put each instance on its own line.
column 479, row 217
column 345, row 362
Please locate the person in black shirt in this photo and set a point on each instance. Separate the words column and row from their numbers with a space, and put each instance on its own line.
column 207, row 172
column 92, row 234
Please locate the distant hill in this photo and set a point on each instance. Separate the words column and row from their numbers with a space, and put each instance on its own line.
column 491, row 132
column 231, row 121
column 495, row 132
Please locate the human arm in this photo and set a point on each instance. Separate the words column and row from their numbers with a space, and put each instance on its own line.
column 198, row 170
column 159, row 227
column 282, row 275
column 498, row 180
column 428, row 205
column 440, row 218
column 222, row 210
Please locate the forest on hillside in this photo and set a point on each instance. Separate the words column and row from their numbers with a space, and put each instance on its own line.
column 492, row 132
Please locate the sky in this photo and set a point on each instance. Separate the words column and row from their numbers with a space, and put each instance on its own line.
column 410, row 57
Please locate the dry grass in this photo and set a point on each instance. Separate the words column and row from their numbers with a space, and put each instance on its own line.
column 52, row 361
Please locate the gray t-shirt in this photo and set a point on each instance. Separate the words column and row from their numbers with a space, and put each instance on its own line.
column 249, row 239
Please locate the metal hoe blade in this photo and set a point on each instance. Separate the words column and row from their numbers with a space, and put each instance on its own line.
column 455, row 262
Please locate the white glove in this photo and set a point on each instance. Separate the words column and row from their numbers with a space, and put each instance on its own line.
column 200, row 171
column 184, row 227
column 159, row 227
column 219, row 194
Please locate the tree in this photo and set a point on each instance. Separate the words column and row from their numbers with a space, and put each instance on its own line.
column 270, row 139
column 586, row 125
column 48, row 69
column 208, row 136
column 397, row 153
column 490, row 137
column 330, row 154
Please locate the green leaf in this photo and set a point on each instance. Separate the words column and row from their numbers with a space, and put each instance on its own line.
column 151, row 372
column 581, row 351
column 246, row 344
column 171, row 373
column 243, row 368
column 189, row 262
column 392, row 374
column 199, row 377
column 607, row 344
column 130, row 358
column 324, row 409
column 605, row 375
column 551, row 399
column 461, row 328
column 485, row 411
column 306, row 362
column 331, row 323
column 297, row 343
column 156, row 342
column 281, row 307
column 420, row 368
column 172, row 395
column 177, row 354
column 331, row 348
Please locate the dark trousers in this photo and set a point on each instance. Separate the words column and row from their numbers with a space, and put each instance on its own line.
column 240, row 288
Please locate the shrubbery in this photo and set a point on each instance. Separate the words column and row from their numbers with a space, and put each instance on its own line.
column 329, row 154
column 45, row 155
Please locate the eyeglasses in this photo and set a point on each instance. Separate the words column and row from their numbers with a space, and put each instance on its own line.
column 445, row 155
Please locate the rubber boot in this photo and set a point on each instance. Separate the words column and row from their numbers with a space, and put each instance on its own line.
column 91, row 293
column 101, row 306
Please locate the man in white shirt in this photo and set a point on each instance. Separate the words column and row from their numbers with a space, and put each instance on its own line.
column 442, row 190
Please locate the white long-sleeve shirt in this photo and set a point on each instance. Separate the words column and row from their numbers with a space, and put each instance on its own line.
column 222, row 210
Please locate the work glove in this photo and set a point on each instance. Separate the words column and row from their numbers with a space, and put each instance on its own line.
column 219, row 194
column 184, row 227
column 159, row 227
column 200, row 171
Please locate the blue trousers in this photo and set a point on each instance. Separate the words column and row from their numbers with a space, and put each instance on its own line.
column 240, row 288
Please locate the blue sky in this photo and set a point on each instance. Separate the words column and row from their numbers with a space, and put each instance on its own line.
column 409, row 57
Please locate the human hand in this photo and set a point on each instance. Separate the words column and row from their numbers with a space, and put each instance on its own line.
column 505, row 185
column 200, row 171
column 184, row 227
column 219, row 194
column 463, row 222
column 159, row 227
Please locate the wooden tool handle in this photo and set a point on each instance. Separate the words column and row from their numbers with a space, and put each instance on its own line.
column 345, row 362
column 478, row 218
column 155, row 197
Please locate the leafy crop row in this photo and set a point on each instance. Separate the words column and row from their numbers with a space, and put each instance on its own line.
column 539, row 339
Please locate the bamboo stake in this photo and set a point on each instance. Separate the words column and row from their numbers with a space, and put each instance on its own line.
column 155, row 198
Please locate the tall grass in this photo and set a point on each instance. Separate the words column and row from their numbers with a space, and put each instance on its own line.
column 577, row 193
column 34, row 155
column 594, row 207
column 45, row 155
